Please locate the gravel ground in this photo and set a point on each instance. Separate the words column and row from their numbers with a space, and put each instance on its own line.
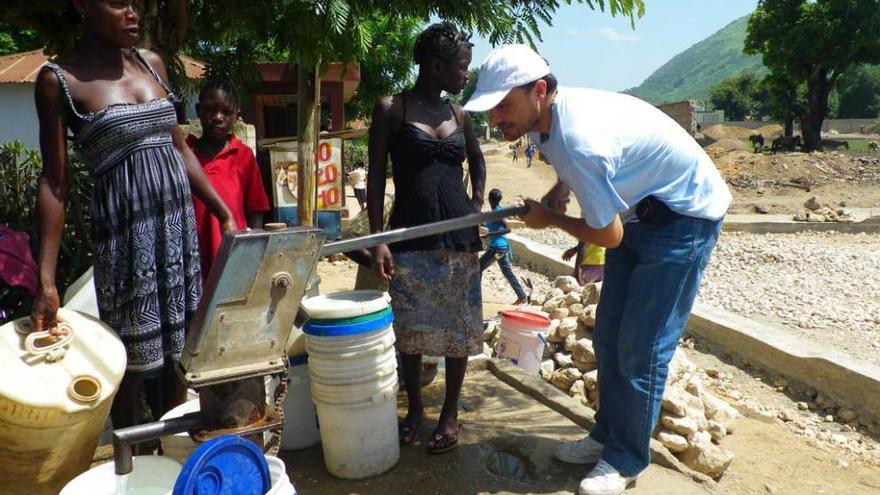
column 552, row 237
column 825, row 286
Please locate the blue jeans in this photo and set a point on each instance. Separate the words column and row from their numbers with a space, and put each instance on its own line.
column 502, row 255
column 651, row 281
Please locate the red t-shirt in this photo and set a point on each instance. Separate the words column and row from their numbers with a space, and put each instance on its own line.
column 236, row 177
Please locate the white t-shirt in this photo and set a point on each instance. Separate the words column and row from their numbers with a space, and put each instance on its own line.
column 614, row 150
column 358, row 178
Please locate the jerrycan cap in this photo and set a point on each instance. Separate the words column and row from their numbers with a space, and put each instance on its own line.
column 226, row 465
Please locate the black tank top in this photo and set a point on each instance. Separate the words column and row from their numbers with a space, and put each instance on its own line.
column 428, row 186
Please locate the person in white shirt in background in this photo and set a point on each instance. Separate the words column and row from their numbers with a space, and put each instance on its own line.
column 650, row 194
column 358, row 178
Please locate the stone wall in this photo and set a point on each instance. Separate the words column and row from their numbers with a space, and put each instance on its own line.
column 842, row 126
column 683, row 113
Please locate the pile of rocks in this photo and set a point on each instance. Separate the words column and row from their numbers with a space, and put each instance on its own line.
column 817, row 211
column 693, row 421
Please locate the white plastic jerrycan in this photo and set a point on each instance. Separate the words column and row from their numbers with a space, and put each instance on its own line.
column 54, row 400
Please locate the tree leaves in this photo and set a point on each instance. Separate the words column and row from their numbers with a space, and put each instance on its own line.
column 814, row 42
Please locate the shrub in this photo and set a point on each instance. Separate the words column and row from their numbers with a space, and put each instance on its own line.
column 20, row 168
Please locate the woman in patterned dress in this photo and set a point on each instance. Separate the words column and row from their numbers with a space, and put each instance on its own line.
column 435, row 280
column 116, row 102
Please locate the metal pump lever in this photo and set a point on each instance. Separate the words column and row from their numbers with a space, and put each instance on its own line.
column 407, row 233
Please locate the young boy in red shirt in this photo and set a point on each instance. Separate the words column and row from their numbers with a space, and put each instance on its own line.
column 230, row 166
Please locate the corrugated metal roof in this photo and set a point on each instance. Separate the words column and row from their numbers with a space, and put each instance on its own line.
column 20, row 68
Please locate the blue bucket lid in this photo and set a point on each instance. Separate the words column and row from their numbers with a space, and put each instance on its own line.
column 353, row 326
column 226, row 465
column 298, row 360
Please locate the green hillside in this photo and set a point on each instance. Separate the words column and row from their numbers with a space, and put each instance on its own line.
column 691, row 74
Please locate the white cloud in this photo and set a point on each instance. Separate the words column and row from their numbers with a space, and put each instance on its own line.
column 616, row 36
column 607, row 33
column 578, row 32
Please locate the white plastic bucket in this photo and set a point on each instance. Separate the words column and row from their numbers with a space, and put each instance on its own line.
column 181, row 445
column 150, row 475
column 352, row 346
column 523, row 337
column 300, row 419
column 281, row 484
column 353, row 394
column 352, row 368
column 360, row 439
column 346, row 304
column 342, row 371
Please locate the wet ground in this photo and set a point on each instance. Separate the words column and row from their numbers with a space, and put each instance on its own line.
column 506, row 447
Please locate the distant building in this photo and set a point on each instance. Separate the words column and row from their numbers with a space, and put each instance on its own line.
column 706, row 118
column 683, row 113
column 272, row 103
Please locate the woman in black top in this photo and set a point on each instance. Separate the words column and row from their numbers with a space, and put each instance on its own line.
column 434, row 281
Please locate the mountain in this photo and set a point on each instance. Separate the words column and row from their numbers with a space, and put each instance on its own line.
column 691, row 74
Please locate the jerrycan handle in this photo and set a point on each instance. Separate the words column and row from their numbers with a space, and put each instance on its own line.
column 52, row 352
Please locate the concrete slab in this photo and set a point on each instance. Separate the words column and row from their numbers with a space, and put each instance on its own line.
column 792, row 227
column 848, row 380
column 867, row 220
column 539, row 257
column 504, row 430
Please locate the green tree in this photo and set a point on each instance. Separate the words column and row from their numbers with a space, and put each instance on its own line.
column 479, row 119
column 387, row 67
column 814, row 41
column 859, row 93
column 739, row 96
column 785, row 99
column 14, row 40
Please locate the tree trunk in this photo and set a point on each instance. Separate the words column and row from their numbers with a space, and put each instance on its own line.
column 308, row 109
column 164, row 31
column 818, row 89
column 164, row 28
column 788, row 121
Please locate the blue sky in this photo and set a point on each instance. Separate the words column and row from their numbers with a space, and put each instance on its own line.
column 593, row 49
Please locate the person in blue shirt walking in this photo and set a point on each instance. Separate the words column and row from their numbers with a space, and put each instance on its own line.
column 530, row 153
column 499, row 249
column 650, row 194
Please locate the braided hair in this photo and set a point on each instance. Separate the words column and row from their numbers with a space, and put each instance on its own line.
column 222, row 85
column 441, row 41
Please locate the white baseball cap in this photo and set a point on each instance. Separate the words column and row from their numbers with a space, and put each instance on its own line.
column 505, row 68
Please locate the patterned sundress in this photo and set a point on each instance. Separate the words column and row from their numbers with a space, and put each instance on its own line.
column 146, row 255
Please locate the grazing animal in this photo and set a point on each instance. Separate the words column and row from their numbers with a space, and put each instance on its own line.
column 831, row 144
column 785, row 144
column 757, row 141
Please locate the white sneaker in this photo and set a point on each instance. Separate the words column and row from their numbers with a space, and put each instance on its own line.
column 605, row 480
column 584, row 451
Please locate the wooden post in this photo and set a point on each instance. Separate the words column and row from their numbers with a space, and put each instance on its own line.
column 308, row 109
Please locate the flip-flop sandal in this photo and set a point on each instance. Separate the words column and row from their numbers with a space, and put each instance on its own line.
column 407, row 434
column 444, row 442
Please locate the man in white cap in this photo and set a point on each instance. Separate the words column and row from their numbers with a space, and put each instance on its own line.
column 649, row 193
